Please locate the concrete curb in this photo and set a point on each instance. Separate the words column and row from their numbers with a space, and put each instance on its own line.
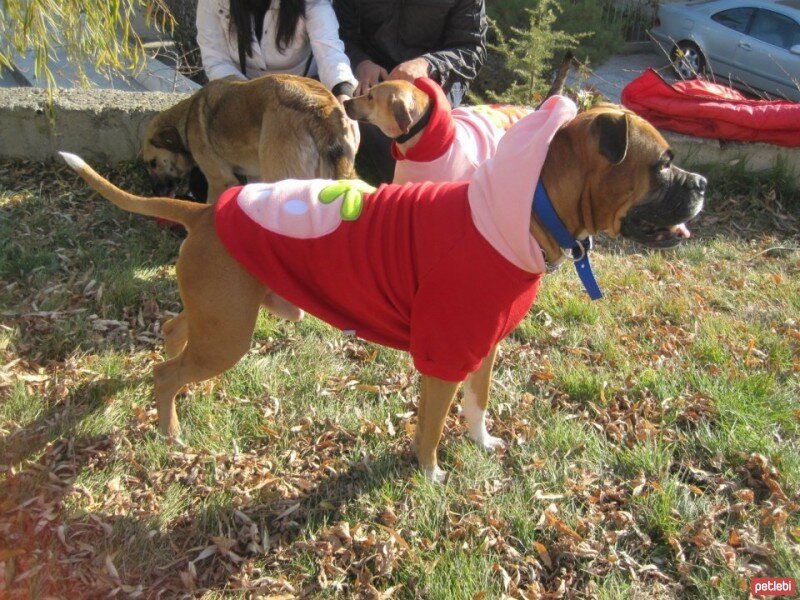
column 108, row 126
column 750, row 156
column 99, row 125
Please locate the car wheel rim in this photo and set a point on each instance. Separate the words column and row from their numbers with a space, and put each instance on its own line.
column 688, row 63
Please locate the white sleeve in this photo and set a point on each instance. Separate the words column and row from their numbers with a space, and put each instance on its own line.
column 328, row 49
column 212, row 37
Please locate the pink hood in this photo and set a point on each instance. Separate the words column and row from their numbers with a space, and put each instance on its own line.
column 501, row 190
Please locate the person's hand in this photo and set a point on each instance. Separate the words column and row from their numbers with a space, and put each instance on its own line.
column 411, row 69
column 368, row 74
column 353, row 124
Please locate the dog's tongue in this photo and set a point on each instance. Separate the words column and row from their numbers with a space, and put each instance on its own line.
column 682, row 231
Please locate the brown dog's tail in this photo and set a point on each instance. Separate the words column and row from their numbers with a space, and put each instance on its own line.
column 180, row 211
column 560, row 79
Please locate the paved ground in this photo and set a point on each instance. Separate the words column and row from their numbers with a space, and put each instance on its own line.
column 614, row 74
column 156, row 76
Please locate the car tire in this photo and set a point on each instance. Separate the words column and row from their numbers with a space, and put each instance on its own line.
column 688, row 60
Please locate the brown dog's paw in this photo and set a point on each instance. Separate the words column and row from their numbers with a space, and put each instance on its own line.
column 174, row 439
column 171, row 432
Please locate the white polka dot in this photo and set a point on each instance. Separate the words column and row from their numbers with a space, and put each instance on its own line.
column 295, row 207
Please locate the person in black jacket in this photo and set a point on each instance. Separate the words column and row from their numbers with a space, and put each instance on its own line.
column 405, row 39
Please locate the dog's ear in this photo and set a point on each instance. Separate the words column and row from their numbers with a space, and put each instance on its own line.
column 611, row 130
column 401, row 114
column 169, row 139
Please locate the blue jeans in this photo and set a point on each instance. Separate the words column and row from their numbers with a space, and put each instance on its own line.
column 456, row 94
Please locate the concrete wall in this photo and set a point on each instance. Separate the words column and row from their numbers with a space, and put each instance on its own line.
column 108, row 126
column 100, row 125
column 752, row 157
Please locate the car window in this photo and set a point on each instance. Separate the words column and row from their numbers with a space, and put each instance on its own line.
column 775, row 29
column 735, row 18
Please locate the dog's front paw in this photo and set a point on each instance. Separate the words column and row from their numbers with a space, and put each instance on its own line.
column 434, row 475
column 489, row 443
column 171, row 431
column 177, row 441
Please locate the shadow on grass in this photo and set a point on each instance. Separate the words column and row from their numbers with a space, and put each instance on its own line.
column 67, row 255
column 285, row 519
column 157, row 559
column 60, row 420
column 32, row 490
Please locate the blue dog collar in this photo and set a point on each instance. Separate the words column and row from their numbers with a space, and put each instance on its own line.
column 577, row 250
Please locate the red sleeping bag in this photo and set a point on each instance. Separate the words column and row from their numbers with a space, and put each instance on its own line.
column 710, row 110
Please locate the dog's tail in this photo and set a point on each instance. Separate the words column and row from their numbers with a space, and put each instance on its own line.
column 561, row 76
column 180, row 211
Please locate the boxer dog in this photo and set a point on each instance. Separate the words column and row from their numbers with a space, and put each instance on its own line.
column 442, row 270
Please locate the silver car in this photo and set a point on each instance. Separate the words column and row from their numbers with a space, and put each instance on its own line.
column 752, row 44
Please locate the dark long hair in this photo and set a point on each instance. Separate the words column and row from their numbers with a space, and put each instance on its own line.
column 248, row 14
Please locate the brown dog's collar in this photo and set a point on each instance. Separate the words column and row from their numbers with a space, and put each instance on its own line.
column 417, row 127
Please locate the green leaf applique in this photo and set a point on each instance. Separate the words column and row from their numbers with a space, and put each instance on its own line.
column 353, row 191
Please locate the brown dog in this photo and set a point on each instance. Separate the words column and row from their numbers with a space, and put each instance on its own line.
column 269, row 128
column 431, row 141
column 605, row 170
column 420, row 114
column 393, row 106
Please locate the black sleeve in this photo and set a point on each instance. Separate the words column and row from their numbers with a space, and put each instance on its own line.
column 463, row 44
column 350, row 31
column 343, row 88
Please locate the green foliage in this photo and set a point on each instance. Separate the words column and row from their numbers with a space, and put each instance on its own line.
column 606, row 23
column 519, row 64
column 530, row 53
column 607, row 35
column 96, row 30
column 507, row 12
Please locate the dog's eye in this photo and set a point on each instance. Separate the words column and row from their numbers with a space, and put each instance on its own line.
column 153, row 163
column 665, row 163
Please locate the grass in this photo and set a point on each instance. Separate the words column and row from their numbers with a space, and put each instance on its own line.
column 653, row 437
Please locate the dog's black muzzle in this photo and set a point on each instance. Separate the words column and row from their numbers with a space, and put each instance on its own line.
column 659, row 220
column 164, row 186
